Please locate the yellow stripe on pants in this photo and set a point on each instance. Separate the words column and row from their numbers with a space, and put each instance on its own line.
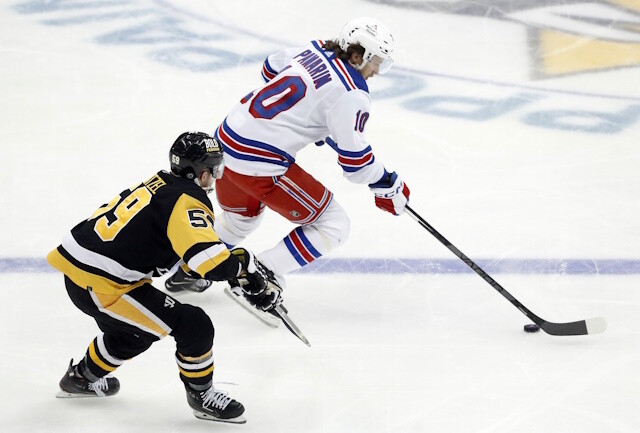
column 123, row 310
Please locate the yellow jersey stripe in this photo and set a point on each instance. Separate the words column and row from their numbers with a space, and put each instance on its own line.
column 84, row 279
column 208, row 259
column 99, row 261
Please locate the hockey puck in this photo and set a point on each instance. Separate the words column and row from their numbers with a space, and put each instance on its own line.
column 531, row 328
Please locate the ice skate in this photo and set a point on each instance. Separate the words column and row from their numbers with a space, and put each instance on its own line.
column 215, row 405
column 181, row 281
column 72, row 385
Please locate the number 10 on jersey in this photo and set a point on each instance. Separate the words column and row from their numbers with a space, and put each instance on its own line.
column 361, row 120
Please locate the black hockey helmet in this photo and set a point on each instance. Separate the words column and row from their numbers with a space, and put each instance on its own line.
column 193, row 152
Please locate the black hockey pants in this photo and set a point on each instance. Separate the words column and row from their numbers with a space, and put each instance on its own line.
column 133, row 321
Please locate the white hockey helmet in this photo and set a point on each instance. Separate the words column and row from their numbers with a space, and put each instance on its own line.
column 371, row 35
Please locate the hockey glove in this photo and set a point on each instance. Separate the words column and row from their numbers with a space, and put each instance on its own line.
column 391, row 193
column 256, row 281
column 267, row 300
column 253, row 275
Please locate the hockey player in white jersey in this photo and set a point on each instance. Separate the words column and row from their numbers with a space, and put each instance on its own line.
column 313, row 93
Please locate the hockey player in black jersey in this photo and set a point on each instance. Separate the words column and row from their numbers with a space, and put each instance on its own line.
column 109, row 259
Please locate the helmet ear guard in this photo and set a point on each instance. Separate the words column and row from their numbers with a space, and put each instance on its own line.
column 371, row 35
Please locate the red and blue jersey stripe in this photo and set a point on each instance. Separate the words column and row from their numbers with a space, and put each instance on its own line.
column 352, row 161
column 351, row 79
column 267, row 71
column 246, row 149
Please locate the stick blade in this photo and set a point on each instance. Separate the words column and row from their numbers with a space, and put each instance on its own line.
column 594, row 325
column 281, row 312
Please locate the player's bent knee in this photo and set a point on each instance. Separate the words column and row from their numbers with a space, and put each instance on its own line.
column 334, row 223
column 193, row 329
column 342, row 230
column 233, row 228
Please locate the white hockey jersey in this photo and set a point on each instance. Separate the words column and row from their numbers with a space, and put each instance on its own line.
column 310, row 96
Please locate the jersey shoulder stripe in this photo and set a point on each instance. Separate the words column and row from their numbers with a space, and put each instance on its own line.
column 350, row 78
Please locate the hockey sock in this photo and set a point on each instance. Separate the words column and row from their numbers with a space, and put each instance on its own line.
column 197, row 372
column 97, row 361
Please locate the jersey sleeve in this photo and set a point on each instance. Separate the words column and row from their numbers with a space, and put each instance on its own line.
column 190, row 231
column 346, row 121
column 275, row 63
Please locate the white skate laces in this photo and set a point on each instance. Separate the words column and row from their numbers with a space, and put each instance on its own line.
column 213, row 397
column 99, row 386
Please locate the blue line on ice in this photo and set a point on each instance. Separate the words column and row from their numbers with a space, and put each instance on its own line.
column 434, row 266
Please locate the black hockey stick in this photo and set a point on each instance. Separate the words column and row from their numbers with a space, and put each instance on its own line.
column 594, row 325
column 269, row 318
column 281, row 312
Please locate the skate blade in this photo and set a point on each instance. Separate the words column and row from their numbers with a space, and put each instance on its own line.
column 237, row 420
column 65, row 394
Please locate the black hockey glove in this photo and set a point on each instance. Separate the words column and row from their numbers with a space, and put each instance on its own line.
column 267, row 300
column 253, row 276
column 257, row 282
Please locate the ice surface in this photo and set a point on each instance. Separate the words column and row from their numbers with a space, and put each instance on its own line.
column 531, row 174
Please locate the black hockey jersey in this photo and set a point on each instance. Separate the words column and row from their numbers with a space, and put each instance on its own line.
column 141, row 233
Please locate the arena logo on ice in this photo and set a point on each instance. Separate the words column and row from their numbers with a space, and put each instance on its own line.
column 177, row 38
column 565, row 37
column 167, row 35
column 448, row 96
